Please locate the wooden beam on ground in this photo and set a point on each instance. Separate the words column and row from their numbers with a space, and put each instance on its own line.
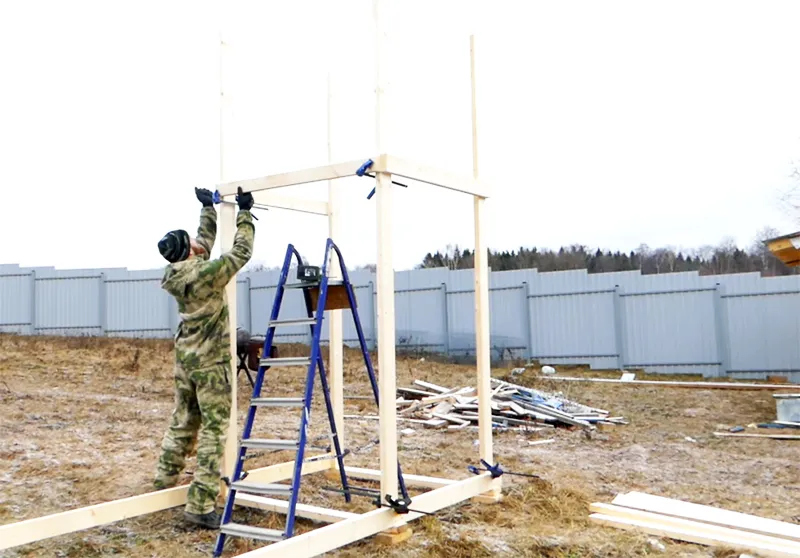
column 771, row 436
column 293, row 178
column 695, row 385
column 337, row 535
column 411, row 480
column 80, row 519
column 314, row 513
column 695, row 532
column 708, row 514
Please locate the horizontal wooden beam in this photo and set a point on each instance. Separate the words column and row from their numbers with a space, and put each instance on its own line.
column 667, row 384
column 314, row 513
column 410, row 480
column 339, row 534
column 294, row 178
column 48, row 526
column 430, row 175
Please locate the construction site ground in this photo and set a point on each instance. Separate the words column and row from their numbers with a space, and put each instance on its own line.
column 82, row 421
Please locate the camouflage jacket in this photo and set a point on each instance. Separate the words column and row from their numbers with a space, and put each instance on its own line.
column 198, row 284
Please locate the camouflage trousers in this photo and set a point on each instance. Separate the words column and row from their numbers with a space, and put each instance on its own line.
column 200, row 419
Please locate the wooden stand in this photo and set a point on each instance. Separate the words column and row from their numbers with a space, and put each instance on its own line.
column 344, row 527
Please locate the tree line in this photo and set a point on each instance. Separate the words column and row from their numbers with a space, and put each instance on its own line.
column 726, row 257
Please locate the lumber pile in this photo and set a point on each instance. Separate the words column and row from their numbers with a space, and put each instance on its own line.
column 513, row 406
column 698, row 524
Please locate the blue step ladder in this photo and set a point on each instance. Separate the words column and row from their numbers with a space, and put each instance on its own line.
column 316, row 288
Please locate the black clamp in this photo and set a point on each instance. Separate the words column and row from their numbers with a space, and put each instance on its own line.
column 362, row 171
column 400, row 505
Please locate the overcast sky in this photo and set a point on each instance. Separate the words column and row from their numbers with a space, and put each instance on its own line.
column 603, row 123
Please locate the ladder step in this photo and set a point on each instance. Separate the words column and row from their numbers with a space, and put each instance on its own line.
column 249, row 532
column 286, row 361
column 294, row 322
column 270, row 444
column 277, row 402
column 263, row 489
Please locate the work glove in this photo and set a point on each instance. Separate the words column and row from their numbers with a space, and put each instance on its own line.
column 245, row 200
column 205, row 197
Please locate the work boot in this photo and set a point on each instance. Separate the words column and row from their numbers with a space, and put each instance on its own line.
column 210, row 520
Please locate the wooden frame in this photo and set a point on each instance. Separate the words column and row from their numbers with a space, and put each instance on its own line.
column 344, row 528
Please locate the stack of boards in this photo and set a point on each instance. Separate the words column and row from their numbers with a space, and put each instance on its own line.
column 699, row 524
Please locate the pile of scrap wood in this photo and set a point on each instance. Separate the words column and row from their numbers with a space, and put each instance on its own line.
column 513, row 406
column 698, row 524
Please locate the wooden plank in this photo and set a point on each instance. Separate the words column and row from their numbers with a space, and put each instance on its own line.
column 411, row 480
column 708, row 514
column 337, row 535
column 227, row 220
column 49, row 526
column 335, row 317
column 689, row 385
column 694, row 532
column 313, row 513
column 432, row 387
column 293, row 178
column 386, row 337
column 771, row 436
column 416, row 393
column 481, row 279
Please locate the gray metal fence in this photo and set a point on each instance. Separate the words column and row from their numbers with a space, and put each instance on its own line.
column 738, row 325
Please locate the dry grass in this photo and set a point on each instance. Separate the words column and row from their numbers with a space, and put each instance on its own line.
column 82, row 421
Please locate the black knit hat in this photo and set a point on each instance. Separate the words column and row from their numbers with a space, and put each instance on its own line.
column 175, row 246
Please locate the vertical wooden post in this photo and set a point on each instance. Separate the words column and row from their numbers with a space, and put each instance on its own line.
column 386, row 338
column 336, row 332
column 385, row 278
column 482, row 354
column 227, row 230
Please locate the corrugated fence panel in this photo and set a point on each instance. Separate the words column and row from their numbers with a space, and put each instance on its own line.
column 138, row 308
column 69, row 305
column 574, row 328
column 764, row 332
column 675, row 329
column 419, row 319
column 16, row 303
column 461, row 322
column 508, row 319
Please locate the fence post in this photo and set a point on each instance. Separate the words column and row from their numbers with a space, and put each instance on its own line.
column 445, row 322
column 721, row 331
column 527, row 317
column 620, row 329
column 102, row 302
column 33, row 302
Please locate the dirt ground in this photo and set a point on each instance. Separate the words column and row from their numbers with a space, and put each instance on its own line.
column 81, row 421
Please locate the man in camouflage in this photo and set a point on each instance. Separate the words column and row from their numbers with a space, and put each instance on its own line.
column 202, row 354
